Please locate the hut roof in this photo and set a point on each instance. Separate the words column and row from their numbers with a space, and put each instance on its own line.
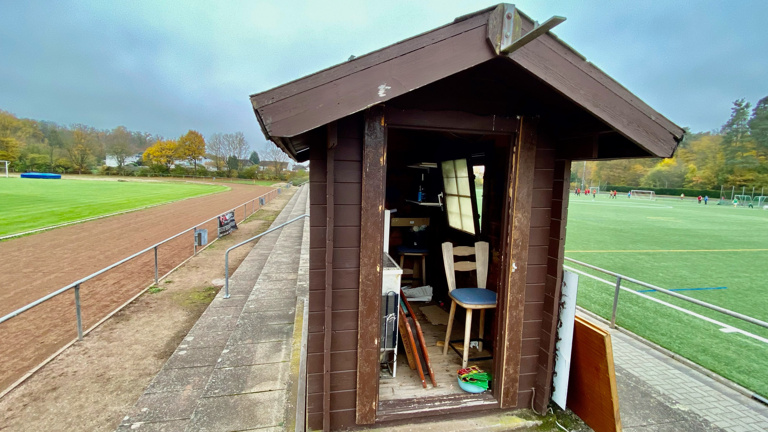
column 287, row 112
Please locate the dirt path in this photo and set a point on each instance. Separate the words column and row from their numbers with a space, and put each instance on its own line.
column 93, row 383
column 34, row 266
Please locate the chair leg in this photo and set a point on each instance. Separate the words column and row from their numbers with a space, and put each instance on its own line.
column 450, row 324
column 423, row 270
column 467, row 331
column 481, row 330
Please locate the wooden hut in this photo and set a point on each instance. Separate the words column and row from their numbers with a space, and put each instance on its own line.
column 497, row 92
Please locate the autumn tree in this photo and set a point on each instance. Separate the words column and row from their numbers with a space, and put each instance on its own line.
column 120, row 146
column 80, row 148
column 191, row 146
column 162, row 152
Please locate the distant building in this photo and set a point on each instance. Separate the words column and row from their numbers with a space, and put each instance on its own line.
column 265, row 165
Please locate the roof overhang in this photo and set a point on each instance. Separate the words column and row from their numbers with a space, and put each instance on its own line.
column 286, row 113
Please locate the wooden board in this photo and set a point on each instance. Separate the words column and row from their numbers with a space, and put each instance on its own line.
column 592, row 393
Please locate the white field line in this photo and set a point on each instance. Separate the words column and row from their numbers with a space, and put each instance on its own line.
column 608, row 204
column 725, row 328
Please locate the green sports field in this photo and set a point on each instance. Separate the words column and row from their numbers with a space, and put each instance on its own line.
column 28, row 204
column 717, row 254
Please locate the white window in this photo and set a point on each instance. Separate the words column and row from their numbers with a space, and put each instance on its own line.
column 458, row 195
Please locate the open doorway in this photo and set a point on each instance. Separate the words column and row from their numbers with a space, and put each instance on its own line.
column 440, row 187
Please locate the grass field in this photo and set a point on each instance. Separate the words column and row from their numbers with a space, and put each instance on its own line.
column 678, row 244
column 28, row 204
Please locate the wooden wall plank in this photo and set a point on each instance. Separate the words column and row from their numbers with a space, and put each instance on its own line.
column 371, row 235
column 553, row 278
column 326, row 318
column 512, row 315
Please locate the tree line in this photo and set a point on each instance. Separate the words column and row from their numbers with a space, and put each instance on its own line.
column 735, row 155
column 42, row 146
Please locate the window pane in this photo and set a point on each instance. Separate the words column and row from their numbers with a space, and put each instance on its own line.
column 461, row 168
column 454, row 215
column 467, row 220
column 448, row 169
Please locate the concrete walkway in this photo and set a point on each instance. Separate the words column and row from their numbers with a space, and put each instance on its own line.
column 660, row 393
column 238, row 367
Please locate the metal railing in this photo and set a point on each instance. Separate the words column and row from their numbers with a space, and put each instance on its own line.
column 620, row 277
column 76, row 285
column 226, row 254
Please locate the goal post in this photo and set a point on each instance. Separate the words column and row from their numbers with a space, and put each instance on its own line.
column 643, row 194
column 6, row 167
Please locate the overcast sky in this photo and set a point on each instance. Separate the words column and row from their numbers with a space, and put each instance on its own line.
column 166, row 67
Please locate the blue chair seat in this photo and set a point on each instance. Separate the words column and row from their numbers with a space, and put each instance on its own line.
column 411, row 250
column 474, row 296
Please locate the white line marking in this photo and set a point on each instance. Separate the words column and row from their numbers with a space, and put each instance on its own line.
column 724, row 327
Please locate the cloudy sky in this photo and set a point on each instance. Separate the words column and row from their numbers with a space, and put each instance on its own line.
column 166, row 67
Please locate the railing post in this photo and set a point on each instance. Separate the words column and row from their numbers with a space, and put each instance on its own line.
column 79, row 315
column 157, row 282
column 226, row 275
column 194, row 240
column 615, row 301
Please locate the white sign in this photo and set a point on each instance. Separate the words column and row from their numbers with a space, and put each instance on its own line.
column 564, row 344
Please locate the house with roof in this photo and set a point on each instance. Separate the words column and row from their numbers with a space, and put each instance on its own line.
column 403, row 134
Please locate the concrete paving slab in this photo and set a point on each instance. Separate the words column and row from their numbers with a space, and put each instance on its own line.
column 255, row 317
column 225, row 311
column 180, row 379
column 167, row 426
column 240, row 412
column 233, row 301
column 210, row 323
column 261, row 333
column 193, row 357
column 202, row 339
column 267, row 304
column 155, row 407
column 251, row 354
column 247, row 379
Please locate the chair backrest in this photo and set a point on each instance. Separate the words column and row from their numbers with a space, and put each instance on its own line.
column 450, row 253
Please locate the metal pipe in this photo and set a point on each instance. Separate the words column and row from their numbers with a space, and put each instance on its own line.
column 724, row 311
column 226, row 254
column 157, row 281
column 194, row 241
column 615, row 302
column 79, row 314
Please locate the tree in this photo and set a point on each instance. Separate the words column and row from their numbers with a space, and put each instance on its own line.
column 161, row 153
column 80, row 149
column 10, row 149
column 236, row 145
column 758, row 127
column 276, row 158
column 254, row 158
column 119, row 146
column 191, row 146
column 737, row 142
column 216, row 151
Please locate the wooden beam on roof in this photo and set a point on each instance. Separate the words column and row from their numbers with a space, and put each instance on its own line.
column 450, row 121
column 505, row 29
column 371, row 259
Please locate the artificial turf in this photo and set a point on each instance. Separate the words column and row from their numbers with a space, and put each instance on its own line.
column 678, row 244
column 28, row 204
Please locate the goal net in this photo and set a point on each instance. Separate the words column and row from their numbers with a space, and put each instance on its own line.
column 643, row 194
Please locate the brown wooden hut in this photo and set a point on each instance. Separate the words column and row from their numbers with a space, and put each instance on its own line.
column 493, row 90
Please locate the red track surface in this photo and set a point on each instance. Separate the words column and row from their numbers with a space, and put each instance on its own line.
column 34, row 266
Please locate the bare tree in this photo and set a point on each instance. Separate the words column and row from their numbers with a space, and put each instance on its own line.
column 236, row 145
column 275, row 157
column 120, row 146
column 216, row 149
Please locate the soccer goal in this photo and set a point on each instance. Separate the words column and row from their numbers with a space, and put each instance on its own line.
column 6, row 167
column 643, row 194
column 761, row 202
